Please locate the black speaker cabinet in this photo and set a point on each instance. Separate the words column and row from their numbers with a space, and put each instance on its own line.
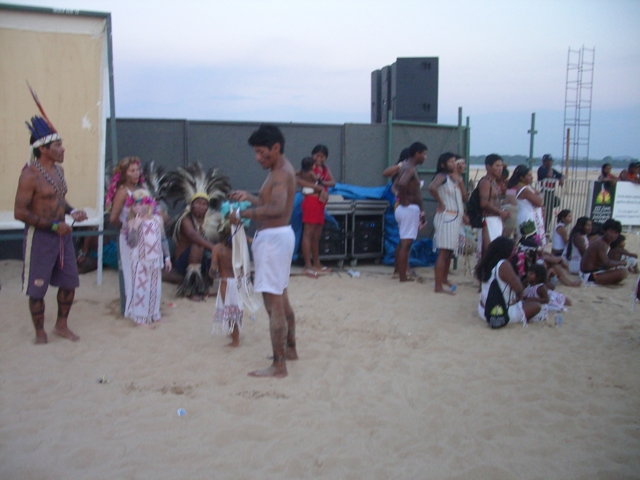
column 414, row 89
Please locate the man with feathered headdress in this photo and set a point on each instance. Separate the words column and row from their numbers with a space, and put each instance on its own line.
column 195, row 229
column 49, row 256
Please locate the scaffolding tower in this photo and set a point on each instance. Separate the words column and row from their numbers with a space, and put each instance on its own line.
column 577, row 108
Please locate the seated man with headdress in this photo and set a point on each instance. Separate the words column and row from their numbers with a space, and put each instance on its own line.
column 195, row 230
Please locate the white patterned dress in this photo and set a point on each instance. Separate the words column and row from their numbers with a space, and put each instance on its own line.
column 143, row 303
column 447, row 223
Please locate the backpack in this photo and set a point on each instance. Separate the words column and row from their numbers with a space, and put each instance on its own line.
column 474, row 211
column 496, row 311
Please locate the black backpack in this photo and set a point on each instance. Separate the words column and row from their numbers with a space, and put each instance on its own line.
column 474, row 211
column 496, row 311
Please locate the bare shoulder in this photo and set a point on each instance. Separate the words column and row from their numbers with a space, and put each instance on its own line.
column 28, row 176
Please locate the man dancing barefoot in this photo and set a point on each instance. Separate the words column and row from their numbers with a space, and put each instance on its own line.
column 49, row 256
column 273, row 243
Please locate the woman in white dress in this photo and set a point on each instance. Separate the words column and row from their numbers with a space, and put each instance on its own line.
column 530, row 201
column 447, row 188
column 495, row 264
column 126, row 179
column 577, row 244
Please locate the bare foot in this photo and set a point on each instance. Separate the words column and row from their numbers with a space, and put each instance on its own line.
column 408, row 279
column 196, row 298
column 66, row 333
column 277, row 371
column 41, row 337
column 292, row 353
column 148, row 326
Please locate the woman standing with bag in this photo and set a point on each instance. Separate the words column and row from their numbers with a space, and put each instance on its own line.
column 530, row 202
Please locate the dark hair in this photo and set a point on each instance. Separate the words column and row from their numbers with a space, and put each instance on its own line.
column 404, row 154
column 612, row 224
column 616, row 243
column 563, row 214
column 633, row 165
column 518, row 173
column 604, row 165
column 306, row 164
column 416, row 147
column 442, row 162
column 539, row 271
column 500, row 249
column 491, row 159
column 320, row 148
column 547, row 156
column 578, row 228
column 505, row 172
column 267, row 136
column 36, row 150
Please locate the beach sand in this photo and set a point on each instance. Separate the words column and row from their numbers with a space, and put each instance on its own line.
column 393, row 381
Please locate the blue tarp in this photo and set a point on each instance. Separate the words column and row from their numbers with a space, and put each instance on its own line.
column 422, row 254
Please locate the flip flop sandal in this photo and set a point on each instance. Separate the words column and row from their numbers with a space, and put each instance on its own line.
column 310, row 273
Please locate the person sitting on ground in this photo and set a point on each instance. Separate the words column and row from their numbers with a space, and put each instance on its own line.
column 577, row 244
column 560, row 267
column 596, row 266
column 536, row 289
column 618, row 252
column 605, row 175
column 495, row 264
column 229, row 307
column 313, row 210
column 560, row 233
column 195, row 229
column 631, row 173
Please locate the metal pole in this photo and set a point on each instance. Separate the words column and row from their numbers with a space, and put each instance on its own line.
column 459, row 152
column 389, row 133
column 532, row 132
column 566, row 163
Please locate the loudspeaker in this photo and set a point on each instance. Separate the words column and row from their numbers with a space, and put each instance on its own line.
column 414, row 89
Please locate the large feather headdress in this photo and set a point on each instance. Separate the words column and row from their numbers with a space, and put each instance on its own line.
column 190, row 183
column 41, row 128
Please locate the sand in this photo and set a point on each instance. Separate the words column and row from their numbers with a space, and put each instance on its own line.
column 393, row 381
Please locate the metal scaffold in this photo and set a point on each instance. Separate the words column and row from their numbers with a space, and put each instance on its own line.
column 577, row 108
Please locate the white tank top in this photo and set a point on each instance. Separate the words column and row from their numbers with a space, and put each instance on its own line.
column 557, row 243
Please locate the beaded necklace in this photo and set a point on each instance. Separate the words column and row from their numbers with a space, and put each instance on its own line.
column 62, row 193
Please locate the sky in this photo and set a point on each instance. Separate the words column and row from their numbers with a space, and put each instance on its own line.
column 310, row 61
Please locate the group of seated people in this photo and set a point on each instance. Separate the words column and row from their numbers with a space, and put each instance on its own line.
column 527, row 281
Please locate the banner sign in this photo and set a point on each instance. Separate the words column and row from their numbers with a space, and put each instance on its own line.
column 626, row 205
column 602, row 202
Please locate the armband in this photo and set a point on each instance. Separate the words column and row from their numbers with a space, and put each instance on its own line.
column 54, row 226
column 73, row 210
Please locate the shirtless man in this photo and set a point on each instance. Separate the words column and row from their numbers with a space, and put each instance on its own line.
column 410, row 211
column 490, row 203
column 273, row 243
column 191, row 244
column 596, row 266
column 49, row 256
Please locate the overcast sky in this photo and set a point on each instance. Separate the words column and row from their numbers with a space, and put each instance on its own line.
column 311, row 61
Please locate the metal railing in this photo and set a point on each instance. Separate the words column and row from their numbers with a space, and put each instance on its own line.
column 572, row 195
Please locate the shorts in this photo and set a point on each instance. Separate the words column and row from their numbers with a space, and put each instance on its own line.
column 182, row 262
column 272, row 254
column 49, row 259
column 408, row 219
column 312, row 210
column 589, row 277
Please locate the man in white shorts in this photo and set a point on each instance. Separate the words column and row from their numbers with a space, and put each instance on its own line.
column 410, row 211
column 492, row 214
column 273, row 243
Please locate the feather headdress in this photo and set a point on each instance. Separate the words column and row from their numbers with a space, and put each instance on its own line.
column 190, row 183
column 41, row 128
